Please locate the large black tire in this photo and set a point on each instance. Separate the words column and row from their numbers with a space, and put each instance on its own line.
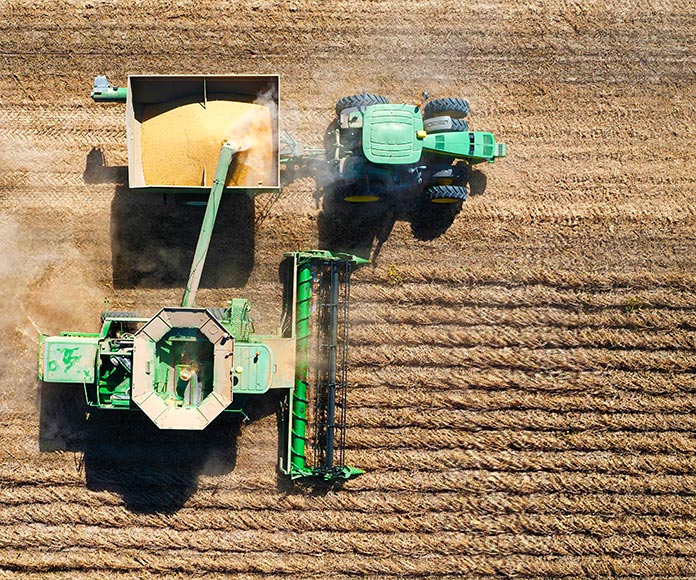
column 361, row 100
column 447, row 193
column 458, row 126
column 453, row 175
column 455, row 108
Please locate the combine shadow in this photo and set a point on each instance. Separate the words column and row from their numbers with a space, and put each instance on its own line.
column 154, row 234
column 154, row 471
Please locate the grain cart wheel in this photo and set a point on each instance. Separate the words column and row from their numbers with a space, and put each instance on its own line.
column 362, row 100
column 455, row 108
column 447, row 193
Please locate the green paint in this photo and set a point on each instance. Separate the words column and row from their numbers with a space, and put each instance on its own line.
column 68, row 359
column 226, row 153
column 110, row 95
column 252, row 368
column 476, row 146
column 389, row 134
column 299, row 400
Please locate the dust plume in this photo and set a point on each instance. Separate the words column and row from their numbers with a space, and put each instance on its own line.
column 42, row 290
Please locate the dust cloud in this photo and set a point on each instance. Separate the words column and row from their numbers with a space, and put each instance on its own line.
column 43, row 291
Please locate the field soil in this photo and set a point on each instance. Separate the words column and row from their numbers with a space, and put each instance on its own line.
column 522, row 392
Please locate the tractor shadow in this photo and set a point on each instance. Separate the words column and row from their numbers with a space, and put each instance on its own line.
column 363, row 228
column 154, row 471
column 154, row 234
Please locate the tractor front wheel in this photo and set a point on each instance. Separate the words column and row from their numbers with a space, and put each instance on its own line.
column 455, row 108
column 447, row 193
column 361, row 100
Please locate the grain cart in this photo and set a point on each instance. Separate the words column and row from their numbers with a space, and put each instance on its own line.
column 380, row 149
column 186, row 365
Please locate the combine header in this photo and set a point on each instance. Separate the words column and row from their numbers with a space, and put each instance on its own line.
column 186, row 365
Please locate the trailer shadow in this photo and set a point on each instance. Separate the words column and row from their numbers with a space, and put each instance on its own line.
column 154, row 234
column 123, row 452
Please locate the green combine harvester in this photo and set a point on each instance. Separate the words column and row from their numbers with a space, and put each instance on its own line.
column 186, row 365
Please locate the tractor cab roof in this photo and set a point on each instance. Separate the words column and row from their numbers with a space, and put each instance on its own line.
column 390, row 134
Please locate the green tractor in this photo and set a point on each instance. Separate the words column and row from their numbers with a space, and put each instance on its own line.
column 379, row 149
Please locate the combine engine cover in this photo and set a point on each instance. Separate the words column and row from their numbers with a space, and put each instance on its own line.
column 182, row 368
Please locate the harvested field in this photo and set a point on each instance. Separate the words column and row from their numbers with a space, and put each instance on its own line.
column 522, row 374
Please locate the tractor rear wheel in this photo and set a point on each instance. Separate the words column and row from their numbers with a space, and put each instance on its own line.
column 447, row 193
column 456, row 125
column 361, row 100
column 358, row 193
column 455, row 108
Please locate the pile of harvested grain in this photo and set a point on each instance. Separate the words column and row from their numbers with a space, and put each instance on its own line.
column 181, row 142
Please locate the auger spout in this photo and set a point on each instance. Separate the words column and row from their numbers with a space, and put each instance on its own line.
column 226, row 153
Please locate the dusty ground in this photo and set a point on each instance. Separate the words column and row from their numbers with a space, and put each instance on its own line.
column 522, row 385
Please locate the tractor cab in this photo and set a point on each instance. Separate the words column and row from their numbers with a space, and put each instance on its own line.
column 391, row 134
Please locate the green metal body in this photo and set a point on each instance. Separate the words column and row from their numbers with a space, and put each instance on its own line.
column 394, row 135
column 299, row 399
column 382, row 150
column 226, row 153
column 389, row 134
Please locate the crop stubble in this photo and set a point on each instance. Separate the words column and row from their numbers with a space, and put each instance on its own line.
column 522, row 386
